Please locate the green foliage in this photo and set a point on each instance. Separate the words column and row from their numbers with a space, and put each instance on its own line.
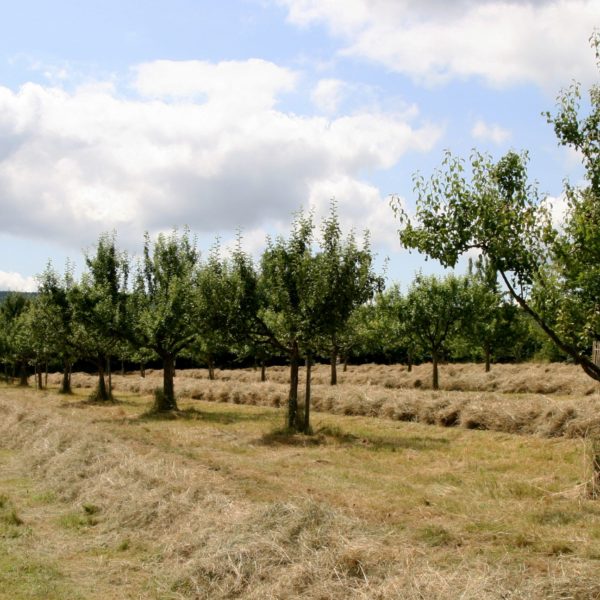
column 163, row 304
column 497, row 211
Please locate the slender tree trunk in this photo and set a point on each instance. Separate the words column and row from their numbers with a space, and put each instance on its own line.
column 487, row 358
column 65, row 386
column 334, row 368
column 109, row 371
column 345, row 363
column 39, row 375
column 211, row 368
column 23, row 377
column 409, row 361
column 293, row 397
column 263, row 371
column 101, row 391
column 142, row 370
column 46, row 374
column 122, row 368
column 166, row 401
column 306, row 428
column 435, row 360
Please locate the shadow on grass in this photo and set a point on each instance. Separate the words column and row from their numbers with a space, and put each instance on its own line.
column 336, row 436
column 193, row 414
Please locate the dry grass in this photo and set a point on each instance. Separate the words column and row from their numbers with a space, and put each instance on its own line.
column 116, row 504
column 549, row 400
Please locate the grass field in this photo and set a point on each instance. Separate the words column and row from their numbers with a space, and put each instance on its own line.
column 111, row 502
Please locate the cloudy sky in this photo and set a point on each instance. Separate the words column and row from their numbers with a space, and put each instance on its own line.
column 140, row 116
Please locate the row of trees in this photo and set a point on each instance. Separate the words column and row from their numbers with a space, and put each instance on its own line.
column 303, row 302
column 297, row 303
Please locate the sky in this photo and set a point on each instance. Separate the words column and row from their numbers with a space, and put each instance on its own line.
column 134, row 116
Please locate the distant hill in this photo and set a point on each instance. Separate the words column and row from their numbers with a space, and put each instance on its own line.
column 3, row 294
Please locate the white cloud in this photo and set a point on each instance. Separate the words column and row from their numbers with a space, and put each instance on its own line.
column 504, row 42
column 15, row 282
column 328, row 94
column 73, row 164
column 489, row 132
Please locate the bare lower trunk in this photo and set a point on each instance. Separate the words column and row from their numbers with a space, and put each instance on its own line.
column 435, row 382
column 108, row 370
column 46, row 374
column 345, row 364
column 334, row 368
column 122, row 368
column 263, row 371
column 487, row 359
column 65, row 386
column 101, row 391
column 293, row 396
column 306, row 428
column 166, row 400
column 23, row 377
column 142, row 370
column 39, row 376
column 409, row 361
column 211, row 368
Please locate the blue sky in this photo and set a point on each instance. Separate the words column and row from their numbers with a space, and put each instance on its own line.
column 134, row 116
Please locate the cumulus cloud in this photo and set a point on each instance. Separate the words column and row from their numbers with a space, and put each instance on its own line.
column 202, row 144
column 327, row 95
column 504, row 42
column 489, row 132
column 15, row 282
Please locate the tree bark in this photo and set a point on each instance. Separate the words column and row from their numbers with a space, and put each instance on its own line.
column 263, row 371
column 142, row 370
column 166, row 401
column 108, row 370
column 23, row 377
column 333, row 368
column 435, row 360
column 345, row 363
column 211, row 368
column 39, row 376
column 487, row 358
column 293, row 396
column 46, row 374
column 101, row 391
column 409, row 361
column 306, row 428
column 65, row 386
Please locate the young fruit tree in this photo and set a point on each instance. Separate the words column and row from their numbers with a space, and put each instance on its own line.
column 498, row 212
column 163, row 304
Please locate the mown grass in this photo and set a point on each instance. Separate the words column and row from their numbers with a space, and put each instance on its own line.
column 221, row 502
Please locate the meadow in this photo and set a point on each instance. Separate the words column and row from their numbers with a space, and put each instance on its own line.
column 387, row 499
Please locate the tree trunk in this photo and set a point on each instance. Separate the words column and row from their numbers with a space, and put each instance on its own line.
column 434, row 360
column 211, row 368
column 345, row 363
column 306, row 428
column 122, row 368
column 293, row 397
column 108, row 370
column 334, row 368
column 101, row 391
column 487, row 358
column 166, row 400
column 46, row 374
column 39, row 375
column 142, row 370
column 23, row 377
column 65, row 386
column 263, row 371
